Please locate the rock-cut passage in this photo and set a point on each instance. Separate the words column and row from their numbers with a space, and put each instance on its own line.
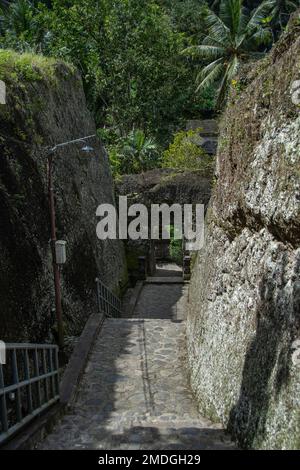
column 135, row 392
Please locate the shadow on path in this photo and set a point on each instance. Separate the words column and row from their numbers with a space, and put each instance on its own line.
column 135, row 392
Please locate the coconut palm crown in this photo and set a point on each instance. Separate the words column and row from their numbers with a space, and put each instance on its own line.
column 233, row 36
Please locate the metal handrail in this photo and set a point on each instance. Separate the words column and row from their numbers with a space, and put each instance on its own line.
column 29, row 384
column 108, row 303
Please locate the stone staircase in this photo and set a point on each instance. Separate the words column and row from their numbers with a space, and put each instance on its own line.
column 135, row 392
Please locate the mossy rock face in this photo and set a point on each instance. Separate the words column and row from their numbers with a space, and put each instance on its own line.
column 24, row 68
column 244, row 313
column 46, row 106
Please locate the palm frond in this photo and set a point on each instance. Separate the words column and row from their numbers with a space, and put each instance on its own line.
column 216, row 28
column 254, row 32
column 229, row 74
column 259, row 14
column 206, row 70
column 230, row 14
column 211, row 41
column 263, row 36
column 243, row 21
column 215, row 74
column 205, row 51
column 232, row 68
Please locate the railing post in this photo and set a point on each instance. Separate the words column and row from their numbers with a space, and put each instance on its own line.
column 51, row 370
column 108, row 303
column 16, row 382
column 3, row 402
column 27, row 376
column 45, row 372
column 37, row 374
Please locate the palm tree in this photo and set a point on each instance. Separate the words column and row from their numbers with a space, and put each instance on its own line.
column 233, row 36
column 139, row 151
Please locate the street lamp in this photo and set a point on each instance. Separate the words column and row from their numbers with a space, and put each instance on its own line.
column 56, row 262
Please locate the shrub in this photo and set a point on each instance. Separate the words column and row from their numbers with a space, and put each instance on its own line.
column 185, row 153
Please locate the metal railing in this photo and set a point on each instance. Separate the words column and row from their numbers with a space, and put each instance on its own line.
column 29, row 384
column 108, row 303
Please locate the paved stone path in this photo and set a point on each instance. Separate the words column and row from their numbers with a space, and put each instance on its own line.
column 162, row 301
column 135, row 392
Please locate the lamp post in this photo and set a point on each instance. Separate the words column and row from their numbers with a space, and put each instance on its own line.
column 56, row 272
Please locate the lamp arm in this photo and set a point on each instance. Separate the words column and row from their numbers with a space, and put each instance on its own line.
column 75, row 141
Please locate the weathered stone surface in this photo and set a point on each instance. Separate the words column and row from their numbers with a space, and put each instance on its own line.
column 46, row 106
column 244, row 299
column 167, row 186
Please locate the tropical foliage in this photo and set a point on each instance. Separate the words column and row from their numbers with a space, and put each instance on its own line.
column 235, row 35
column 186, row 153
column 128, row 52
column 133, row 154
column 280, row 14
column 138, row 82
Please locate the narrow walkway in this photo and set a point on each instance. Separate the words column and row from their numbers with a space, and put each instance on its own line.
column 135, row 392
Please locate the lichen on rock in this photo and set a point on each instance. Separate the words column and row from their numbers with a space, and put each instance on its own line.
column 244, row 309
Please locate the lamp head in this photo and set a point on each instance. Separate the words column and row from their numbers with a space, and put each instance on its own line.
column 87, row 149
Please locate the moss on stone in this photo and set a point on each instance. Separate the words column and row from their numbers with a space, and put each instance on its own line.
column 45, row 104
column 29, row 67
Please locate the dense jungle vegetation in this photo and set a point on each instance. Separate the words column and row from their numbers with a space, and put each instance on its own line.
column 147, row 65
